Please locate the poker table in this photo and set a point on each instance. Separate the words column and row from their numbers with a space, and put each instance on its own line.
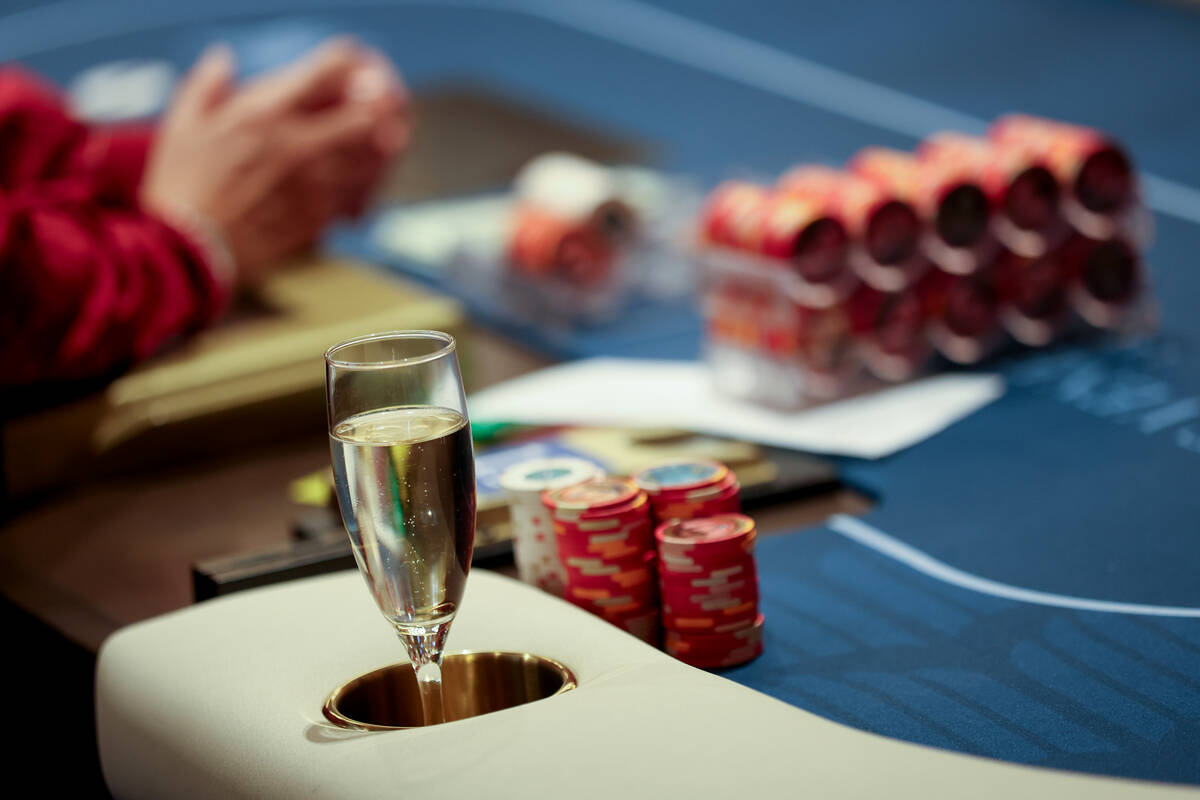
column 1026, row 586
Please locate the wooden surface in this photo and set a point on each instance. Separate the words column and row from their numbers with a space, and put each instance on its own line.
column 120, row 549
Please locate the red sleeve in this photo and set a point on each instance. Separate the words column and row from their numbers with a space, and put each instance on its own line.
column 88, row 283
column 114, row 158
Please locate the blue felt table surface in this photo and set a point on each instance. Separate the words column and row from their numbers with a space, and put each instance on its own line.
column 1081, row 483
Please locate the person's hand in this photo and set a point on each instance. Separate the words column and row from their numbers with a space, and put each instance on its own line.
column 269, row 165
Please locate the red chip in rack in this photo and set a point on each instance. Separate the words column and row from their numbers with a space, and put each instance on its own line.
column 732, row 214
column 1033, row 296
column 963, row 314
column 543, row 246
column 800, row 231
column 885, row 229
column 1104, row 279
column 1020, row 187
column 890, row 330
column 948, row 195
column 1093, row 169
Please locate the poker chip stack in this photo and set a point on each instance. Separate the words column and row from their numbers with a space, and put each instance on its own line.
column 570, row 220
column 605, row 540
column 1028, row 233
column 689, row 489
column 709, row 588
column 535, row 546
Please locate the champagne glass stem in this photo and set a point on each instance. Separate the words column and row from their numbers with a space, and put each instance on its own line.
column 425, row 645
column 429, row 679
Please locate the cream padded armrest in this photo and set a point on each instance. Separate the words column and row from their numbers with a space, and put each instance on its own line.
column 224, row 700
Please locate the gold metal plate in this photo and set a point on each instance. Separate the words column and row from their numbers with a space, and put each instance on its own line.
column 473, row 683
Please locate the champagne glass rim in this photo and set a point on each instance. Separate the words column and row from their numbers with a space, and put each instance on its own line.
column 448, row 346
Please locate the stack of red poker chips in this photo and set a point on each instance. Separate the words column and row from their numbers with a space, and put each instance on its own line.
column 709, row 587
column 1033, row 232
column 690, row 489
column 545, row 246
column 605, row 541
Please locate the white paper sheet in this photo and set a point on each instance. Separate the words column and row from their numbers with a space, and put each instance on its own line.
column 678, row 394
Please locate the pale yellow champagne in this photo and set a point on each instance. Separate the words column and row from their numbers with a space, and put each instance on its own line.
column 405, row 479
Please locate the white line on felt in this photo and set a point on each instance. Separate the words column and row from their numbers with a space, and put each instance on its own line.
column 875, row 539
column 738, row 58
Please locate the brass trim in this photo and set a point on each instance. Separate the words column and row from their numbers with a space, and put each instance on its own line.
column 475, row 683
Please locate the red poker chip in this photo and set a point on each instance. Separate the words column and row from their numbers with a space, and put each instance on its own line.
column 702, row 603
column 619, row 575
column 716, row 649
column 636, row 508
column 647, row 618
column 570, row 501
column 728, row 501
column 726, row 488
column 645, row 594
column 616, row 609
column 724, row 608
column 714, row 555
column 590, row 571
column 644, row 627
column 743, row 590
column 606, row 550
column 629, row 615
column 705, row 560
column 621, row 579
column 594, row 524
column 681, row 476
column 640, row 528
column 712, row 622
column 721, row 580
column 732, row 658
column 716, row 642
column 684, row 569
column 622, row 549
column 722, row 533
column 728, row 483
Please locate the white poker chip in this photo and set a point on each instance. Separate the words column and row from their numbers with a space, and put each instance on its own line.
column 565, row 185
column 539, row 474
column 535, row 546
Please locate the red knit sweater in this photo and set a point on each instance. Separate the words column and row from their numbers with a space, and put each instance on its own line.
column 89, row 282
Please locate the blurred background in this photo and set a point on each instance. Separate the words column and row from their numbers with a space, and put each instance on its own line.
column 194, row 465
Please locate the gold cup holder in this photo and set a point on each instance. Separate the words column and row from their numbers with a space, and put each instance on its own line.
column 472, row 684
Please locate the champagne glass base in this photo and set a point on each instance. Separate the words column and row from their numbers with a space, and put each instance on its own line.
column 425, row 644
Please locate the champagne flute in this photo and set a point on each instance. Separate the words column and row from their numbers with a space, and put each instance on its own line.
column 404, row 469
